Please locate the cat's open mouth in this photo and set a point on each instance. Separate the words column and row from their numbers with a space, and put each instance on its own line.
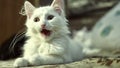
column 45, row 32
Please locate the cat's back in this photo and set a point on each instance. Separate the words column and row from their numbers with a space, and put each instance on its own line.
column 75, row 50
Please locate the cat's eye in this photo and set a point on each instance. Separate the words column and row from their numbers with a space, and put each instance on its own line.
column 37, row 19
column 50, row 17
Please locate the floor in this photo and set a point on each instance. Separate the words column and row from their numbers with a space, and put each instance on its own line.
column 85, row 63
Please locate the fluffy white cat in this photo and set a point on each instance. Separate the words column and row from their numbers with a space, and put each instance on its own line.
column 49, row 42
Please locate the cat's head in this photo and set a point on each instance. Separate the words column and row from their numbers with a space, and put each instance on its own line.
column 46, row 22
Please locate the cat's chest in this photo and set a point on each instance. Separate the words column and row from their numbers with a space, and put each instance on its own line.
column 44, row 48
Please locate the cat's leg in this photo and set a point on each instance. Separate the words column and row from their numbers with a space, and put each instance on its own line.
column 45, row 59
column 25, row 61
column 52, row 59
column 20, row 62
column 35, row 60
column 29, row 50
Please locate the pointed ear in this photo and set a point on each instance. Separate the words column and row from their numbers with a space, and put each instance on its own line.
column 29, row 8
column 58, row 5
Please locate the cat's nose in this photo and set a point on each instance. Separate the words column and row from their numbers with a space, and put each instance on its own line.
column 43, row 25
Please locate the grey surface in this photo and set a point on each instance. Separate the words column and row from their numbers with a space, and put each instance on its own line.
column 85, row 63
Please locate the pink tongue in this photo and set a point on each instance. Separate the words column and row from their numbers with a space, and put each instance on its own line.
column 46, row 32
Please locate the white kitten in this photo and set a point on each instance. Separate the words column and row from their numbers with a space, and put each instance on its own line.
column 49, row 42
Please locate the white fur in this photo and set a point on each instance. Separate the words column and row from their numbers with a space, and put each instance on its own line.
column 104, row 36
column 83, row 37
column 53, row 49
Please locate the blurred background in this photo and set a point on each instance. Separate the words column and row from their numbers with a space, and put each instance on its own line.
column 80, row 13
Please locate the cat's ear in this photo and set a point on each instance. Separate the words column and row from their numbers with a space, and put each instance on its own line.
column 29, row 8
column 58, row 5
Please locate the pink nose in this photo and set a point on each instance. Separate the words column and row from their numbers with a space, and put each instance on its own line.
column 43, row 25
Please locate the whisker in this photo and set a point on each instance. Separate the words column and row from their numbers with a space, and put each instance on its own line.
column 14, row 39
column 17, row 41
column 17, row 37
column 12, row 42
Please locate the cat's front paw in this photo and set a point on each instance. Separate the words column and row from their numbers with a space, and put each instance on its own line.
column 35, row 60
column 20, row 62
